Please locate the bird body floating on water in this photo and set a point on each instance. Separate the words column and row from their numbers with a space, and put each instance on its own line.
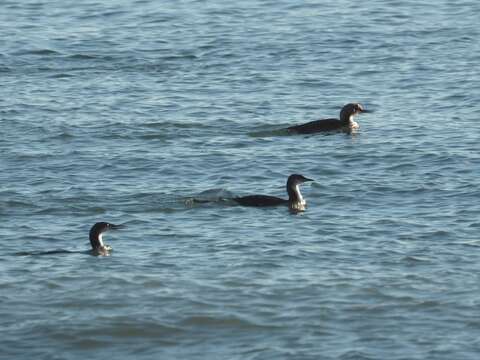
column 345, row 123
column 295, row 200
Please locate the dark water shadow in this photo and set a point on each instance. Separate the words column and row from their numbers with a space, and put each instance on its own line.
column 221, row 196
column 268, row 132
column 261, row 133
column 53, row 252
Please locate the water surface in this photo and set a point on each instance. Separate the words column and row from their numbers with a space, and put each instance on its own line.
column 122, row 111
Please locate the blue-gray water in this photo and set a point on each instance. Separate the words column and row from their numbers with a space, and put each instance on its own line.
column 122, row 110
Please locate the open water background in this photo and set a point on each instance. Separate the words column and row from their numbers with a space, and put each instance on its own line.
column 123, row 110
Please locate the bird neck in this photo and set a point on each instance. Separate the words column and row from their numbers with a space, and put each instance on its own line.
column 96, row 240
column 296, row 202
column 346, row 118
column 294, row 195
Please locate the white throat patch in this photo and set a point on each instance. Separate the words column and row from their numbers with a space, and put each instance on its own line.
column 100, row 239
column 299, row 194
column 353, row 123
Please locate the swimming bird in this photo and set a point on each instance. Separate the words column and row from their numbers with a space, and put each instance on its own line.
column 345, row 123
column 96, row 240
column 295, row 200
column 98, row 247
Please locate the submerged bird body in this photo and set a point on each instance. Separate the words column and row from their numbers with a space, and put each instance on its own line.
column 260, row 200
column 318, row 126
column 96, row 239
column 295, row 200
column 345, row 123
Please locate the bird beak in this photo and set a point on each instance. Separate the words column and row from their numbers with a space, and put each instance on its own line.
column 366, row 111
column 307, row 179
column 116, row 227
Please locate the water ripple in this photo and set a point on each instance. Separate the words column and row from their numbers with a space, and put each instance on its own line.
column 121, row 113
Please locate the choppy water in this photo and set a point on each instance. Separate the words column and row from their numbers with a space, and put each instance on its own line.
column 122, row 110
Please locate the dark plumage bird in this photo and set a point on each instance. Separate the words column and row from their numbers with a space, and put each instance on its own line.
column 96, row 240
column 295, row 200
column 345, row 123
